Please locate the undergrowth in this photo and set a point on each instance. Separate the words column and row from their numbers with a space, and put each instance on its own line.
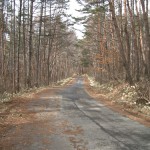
column 7, row 97
column 122, row 93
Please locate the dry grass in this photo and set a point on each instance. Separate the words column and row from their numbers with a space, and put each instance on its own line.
column 121, row 96
column 12, row 107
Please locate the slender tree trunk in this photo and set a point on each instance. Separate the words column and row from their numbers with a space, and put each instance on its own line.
column 147, row 30
column 30, row 44
column 121, row 48
column 14, row 49
column 141, row 40
column 19, row 43
column 38, row 67
column 136, row 49
column 1, row 45
column 24, row 46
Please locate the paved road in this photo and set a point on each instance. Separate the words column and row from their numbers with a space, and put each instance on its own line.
column 103, row 129
column 72, row 120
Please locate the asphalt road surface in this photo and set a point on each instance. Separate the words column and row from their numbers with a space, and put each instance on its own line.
column 78, row 122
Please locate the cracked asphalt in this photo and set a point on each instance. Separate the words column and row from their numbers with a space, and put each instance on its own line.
column 103, row 129
column 72, row 120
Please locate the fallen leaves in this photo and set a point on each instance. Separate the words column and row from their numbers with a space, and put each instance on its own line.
column 120, row 97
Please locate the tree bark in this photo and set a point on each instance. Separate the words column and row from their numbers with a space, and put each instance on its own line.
column 121, row 48
column 30, row 44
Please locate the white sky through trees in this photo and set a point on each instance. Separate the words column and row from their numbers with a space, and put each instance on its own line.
column 73, row 6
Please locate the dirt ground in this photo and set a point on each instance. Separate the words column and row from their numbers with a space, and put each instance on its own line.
column 16, row 113
column 17, row 117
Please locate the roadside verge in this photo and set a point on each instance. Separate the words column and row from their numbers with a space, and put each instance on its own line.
column 124, row 109
column 13, row 112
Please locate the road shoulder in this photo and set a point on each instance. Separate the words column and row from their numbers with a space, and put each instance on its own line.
column 125, row 110
column 20, row 113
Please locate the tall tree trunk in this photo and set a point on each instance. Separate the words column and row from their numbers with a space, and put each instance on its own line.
column 121, row 48
column 147, row 30
column 128, row 48
column 141, row 40
column 1, row 44
column 136, row 49
column 19, row 43
column 24, row 45
column 14, row 48
column 30, row 44
column 38, row 67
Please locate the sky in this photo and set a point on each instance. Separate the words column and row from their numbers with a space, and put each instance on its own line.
column 73, row 5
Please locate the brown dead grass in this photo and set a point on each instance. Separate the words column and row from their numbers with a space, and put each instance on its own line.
column 16, row 116
column 125, row 109
column 14, row 112
column 16, row 120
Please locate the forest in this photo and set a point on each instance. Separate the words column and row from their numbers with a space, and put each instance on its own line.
column 116, row 45
column 38, row 47
column 62, row 91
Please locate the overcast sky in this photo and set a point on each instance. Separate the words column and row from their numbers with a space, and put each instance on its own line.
column 73, row 5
